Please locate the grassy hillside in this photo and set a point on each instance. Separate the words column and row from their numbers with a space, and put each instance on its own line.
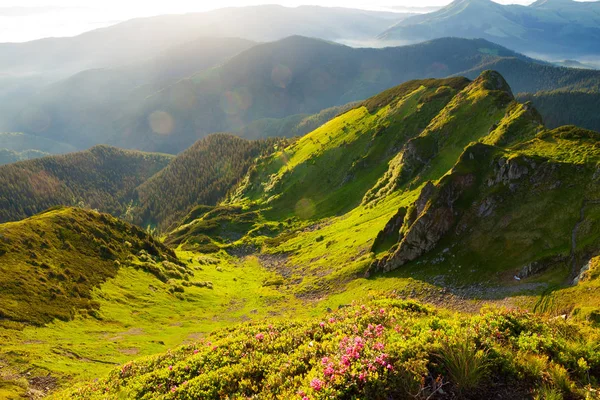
column 294, row 125
column 383, row 349
column 102, row 177
column 202, row 174
column 487, row 212
column 51, row 263
column 356, row 193
column 347, row 155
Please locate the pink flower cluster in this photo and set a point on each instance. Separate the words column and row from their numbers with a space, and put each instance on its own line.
column 316, row 384
column 358, row 357
column 374, row 330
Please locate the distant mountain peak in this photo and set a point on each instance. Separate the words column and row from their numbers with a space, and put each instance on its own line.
column 542, row 3
column 466, row 3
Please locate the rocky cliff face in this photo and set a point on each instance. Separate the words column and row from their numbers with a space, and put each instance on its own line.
column 500, row 194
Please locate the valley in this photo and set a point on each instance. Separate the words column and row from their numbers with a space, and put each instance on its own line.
column 251, row 201
column 436, row 197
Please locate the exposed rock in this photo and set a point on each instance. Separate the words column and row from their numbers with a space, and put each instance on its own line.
column 431, row 224
column 582, row 273
column 486, row 207
column 508, row 170
column 531, row 269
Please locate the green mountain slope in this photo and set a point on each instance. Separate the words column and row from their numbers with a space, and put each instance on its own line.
column 102, row 177
column 487, row 212
column 347, row 155
column 357, row 193
column 294, row 125
column 202, row 174
column 50, row 263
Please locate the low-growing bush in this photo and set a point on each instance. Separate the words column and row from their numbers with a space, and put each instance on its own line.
column 381, row 350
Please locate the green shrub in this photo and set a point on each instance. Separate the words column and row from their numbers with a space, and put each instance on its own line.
column 465, row 365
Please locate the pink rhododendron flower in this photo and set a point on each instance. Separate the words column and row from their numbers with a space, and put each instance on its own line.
column 260, row 336
column 328, row 371
column 170, row 368
column 316, row 384
column 322, row 324
column 331, row 320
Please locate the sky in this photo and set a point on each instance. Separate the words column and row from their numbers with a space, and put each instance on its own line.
column 23, row 20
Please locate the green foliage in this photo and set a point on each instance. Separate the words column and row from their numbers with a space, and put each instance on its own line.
column 51, row 263
column 346, row 156
column 101, row 178
column 385, row 348
column 203, row 174
column 294, row 125
column 567, row 107
column 466, row 365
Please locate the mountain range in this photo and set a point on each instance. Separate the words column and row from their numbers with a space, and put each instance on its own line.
column 247, row 203
column 288, row 79
column 447, row 191
column 556, row 29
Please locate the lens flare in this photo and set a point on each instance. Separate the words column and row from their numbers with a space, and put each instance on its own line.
column 305, row 208
column 281, row 76
column 161, row 122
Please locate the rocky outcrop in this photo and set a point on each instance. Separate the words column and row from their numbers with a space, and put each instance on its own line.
column 435, row 216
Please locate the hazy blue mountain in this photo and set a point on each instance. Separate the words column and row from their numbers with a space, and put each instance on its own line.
column 557, row 28
column 80, row 110
column 275, row 80
column 303, row 76
column 148, row 37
